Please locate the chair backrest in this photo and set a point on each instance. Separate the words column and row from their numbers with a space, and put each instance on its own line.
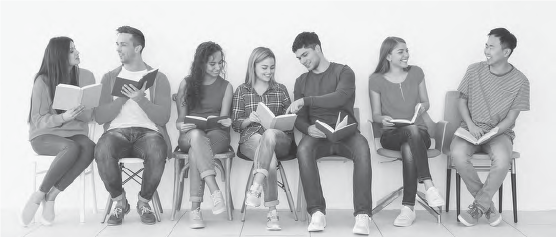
column 452, row 116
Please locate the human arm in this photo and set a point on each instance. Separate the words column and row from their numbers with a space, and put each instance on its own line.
column 108, row 109
column 423, row 97
column 226, row 106
column 182, row 109
column 159, row 110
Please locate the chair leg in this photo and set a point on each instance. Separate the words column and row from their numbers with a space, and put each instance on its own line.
column 247, row 186
column 82, row 197
column 500, row 192
column 287, row 190
column 95, row 208
column 514, row 195
column 156, row 205
column 176, row 188
column 107, row 209
column 185, row 171
column 159, row 204
column 448, row 182
column 458, row 193
column 420, row 198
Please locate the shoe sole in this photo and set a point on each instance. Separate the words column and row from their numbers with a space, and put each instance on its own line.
column 273, row 228
column 361, row 233
column 400, row 225
column 251, row 204
column 462, row 220
column 496, row 222
column 219, row 211
column 316, row 230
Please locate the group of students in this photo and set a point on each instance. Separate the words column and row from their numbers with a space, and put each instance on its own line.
column 492, row 92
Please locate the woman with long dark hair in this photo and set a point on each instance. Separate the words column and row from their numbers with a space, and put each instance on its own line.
column 395, row 89
column 58, row 133
column 204, row 93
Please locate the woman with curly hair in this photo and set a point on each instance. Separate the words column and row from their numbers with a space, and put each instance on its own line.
column 204, row 93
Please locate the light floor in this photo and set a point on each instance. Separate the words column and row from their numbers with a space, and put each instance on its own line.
column 340, row 222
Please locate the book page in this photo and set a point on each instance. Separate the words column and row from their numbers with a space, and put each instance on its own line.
column 342, row 124
column 265, row 115
column 324, row 125
column 196, row 117
column 466, row 135
column 66, row 97
column 91, row 95
column 488, row 135
column 147, row 78
column 417, row 108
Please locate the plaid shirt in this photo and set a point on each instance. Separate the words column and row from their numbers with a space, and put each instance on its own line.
column 245, row 101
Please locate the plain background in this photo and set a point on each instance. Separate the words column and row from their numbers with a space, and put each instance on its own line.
column 443, row 38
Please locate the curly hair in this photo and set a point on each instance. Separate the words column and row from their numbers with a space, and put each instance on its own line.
column 193, row 91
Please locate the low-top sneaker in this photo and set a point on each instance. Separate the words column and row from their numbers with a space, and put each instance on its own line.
column 405, row 218
column 273, row 221
column 318, row 222
column 361, row 226
column 218, row 202
column 433, row 197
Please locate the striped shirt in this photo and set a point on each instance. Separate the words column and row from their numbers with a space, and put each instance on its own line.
column 245, row 101
column 490, row 97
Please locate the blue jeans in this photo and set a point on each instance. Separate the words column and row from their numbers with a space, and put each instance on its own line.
column 138, row 142
column 499, row 149
column 73, row 155
column 356, row 148
column 201, row 148
column 413, row 142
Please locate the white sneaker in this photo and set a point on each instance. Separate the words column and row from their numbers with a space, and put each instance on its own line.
column 318, row 222
column 433, row 197
column 253, row 196
column 196, row 219
column 361, row 226
column 218, row 202
column 273, row 221
column 405, row 218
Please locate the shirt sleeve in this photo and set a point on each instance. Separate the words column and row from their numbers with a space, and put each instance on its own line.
column 463, row 87
column 521, row 102
column 238, row 110
column 344, row 91
column 374, row 83
column 302, row 121
column 286, row 101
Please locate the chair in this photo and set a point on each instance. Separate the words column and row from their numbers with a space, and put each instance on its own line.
column 47, row 160
column 481, row 161
column 283, row 185
column 301, row 202
column 132, row 175
column 223, row 162
column 437, row 132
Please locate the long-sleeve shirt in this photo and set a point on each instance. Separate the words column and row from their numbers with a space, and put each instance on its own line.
column 45, row 120
column 325, row 95
column 245, row 101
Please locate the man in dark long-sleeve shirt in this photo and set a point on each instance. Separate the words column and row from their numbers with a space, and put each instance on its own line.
column 326, row 90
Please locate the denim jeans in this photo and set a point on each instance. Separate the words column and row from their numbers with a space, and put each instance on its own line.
column 413, row 142
column 265, row 150
column 138, row 142
column 73, row 155
column 499, row 149
column 201, row 148
column 355, row 148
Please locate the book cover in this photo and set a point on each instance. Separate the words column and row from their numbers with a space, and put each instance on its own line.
column 341, row 130
column 204, row 123
column 466, row 135
column 69, row 96
column 405, row 122
column 120, row 82
column 269, row 120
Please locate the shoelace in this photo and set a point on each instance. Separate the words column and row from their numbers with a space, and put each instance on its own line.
column 474, row 211
column 117, row 212
column 216, row 198
column 145, row 209
column 196, row 214
column 272, row 216
column 255, row 192
column 488, row 212
column 364, row 218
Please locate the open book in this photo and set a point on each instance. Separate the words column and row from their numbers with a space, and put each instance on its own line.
column 466, row 135
column 405, row 122
column 269, row 120
column 69, row 96
column 120, row 82
column 341, row 130
column 204, row 123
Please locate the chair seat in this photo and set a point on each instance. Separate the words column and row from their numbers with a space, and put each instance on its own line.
column 129, row 160
column 41, row 158
column 223, row 155
column 431, row 153
column 482, row 159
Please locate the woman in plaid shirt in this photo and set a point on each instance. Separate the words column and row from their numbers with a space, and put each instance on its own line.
column 264, row 146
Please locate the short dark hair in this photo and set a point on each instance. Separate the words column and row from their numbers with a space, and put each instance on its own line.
column 507, row 39
column 137, row 36
column 306, row 40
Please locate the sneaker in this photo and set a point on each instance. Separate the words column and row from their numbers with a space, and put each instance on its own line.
column 493, row 216
column 361, row 226
column 272, row 221
column 30, row 208
column 218, row 202
column 405, row 218
column 433, row 197
column 318, row 222
column 253, row 196
column 117, row 215
column 146, row 213
column 471, row 217
column 48, row 214
column 196, row 219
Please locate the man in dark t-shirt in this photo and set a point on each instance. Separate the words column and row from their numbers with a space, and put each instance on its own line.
column 324, row 92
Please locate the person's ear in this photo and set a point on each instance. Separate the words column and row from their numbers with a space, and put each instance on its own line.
column 318, row 49
column 138, row 48
column 507, row 52
column 389, row 57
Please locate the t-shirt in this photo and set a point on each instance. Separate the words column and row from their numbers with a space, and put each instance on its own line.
column 398, row 100
column 211, row 104
column 490, row 97
column 131, row 114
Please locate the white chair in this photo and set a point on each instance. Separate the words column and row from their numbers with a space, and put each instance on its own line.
column 41, row 161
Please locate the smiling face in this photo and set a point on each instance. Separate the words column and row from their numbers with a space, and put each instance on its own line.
column 309, row 57
column 73, row 56
column 264, row 70
column 125, row 48
column 494, row 52
column 399, row 56
column 214, row 64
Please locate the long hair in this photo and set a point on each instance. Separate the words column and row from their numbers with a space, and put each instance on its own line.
column 54, row 67
column 193, row 91
column 259, row 54
column 386, row 48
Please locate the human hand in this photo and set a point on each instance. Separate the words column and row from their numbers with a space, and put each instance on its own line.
column 315, row 132
column 386, row 121
column 476, row 131
column 132, row 92
column 70, row 114
column 254, row 117
column 295, row 106
column 227, row 122
column 185, row 127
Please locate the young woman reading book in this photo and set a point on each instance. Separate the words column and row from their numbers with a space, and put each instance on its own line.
column 264, row 146
column 395, row 88
column 58, row 133
column 204, row 93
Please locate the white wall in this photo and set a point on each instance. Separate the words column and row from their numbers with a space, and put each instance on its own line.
column 443, row 37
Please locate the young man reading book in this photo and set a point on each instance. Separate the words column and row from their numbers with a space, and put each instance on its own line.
column 492, row 94
column 320, row 94
column 135, row 126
